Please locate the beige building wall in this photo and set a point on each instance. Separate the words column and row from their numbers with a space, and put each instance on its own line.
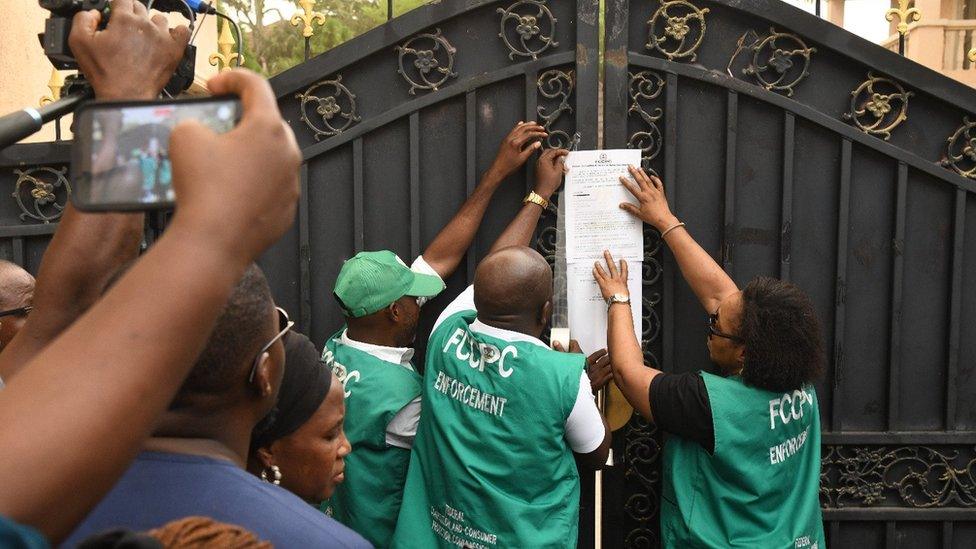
column 941, row 39
column 25, row 71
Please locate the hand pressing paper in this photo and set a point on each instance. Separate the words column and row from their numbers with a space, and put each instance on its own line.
column 594, row 220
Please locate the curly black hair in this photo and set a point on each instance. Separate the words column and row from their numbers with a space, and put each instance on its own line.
column 784, row 347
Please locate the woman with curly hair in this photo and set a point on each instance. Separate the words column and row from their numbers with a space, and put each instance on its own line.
column 742, row 465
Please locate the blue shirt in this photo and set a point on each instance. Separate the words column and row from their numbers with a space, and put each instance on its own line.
column 161, row 487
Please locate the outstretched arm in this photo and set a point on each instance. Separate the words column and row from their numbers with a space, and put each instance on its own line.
column 707, row 279
column 629, row 372
column 101, row 384
column 548, row 178
column 444, row 254
column 130, row 60
column 90, row 398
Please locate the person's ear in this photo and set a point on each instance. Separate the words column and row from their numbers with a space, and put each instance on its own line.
column 265, row 456
column 263, row 376
column 393, row 312
column 740, row 355
column 545, row 314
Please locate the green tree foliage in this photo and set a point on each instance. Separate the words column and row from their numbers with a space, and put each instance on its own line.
column 272, row 44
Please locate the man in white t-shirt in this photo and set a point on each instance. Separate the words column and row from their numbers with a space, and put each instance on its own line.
column 504, row 415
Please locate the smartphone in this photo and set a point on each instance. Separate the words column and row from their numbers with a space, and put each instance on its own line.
column 120, row 153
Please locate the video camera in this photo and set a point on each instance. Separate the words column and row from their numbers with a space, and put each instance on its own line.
column 57, row 28
column 20, row 124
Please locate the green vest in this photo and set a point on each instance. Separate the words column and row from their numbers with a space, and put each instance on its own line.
column 761, row 487
column 490, row 464
column 368, row 501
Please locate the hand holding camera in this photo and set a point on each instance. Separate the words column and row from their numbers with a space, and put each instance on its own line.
column 251, row 171
column 133, row 57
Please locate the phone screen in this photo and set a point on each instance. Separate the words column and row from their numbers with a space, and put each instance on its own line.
column 121, row 151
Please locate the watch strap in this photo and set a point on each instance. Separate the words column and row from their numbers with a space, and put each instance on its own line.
column 537, row 199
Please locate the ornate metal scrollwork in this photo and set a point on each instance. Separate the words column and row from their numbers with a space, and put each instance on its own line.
column 908, row 476
column 41, row 185
column 677, row 30
column 545, row 243
column 533, row 23
column 651, row 319
column 779, row 61
column 961, row 150
column 556, row 86
column 643, row 442
column 642, row 455
column 646, row 86
column 650, row 276
column 432, row 66
column 878, row 106
column 332, row 112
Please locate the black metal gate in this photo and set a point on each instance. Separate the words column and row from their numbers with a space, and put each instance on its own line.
column 794, row 149
column 790, row 147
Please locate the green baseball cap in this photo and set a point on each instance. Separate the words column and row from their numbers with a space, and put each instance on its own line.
column 371, row 281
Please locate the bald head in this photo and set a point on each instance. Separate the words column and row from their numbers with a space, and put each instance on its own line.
column 16, row 285
column 16, row 291
column 514, row 285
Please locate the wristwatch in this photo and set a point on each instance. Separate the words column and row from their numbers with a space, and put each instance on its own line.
column 618, row 298
column 537, row 199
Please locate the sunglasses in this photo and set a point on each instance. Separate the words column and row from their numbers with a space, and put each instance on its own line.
column 284, row 325
column 19, row 311
column 712, row 322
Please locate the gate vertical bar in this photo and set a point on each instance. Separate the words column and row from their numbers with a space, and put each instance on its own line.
column 304, row 258
column 786, row 218
column 415, row 184
column 587, row 113
column 357, row 196
column 955, row 306
column 947, row 535
column 471, row 168
column 531, row 114
column 616, row 78
column 731, row 139
column 840, row 292
column 898, row 277
column 18, row 251
column 671, row 175
column 587, row 72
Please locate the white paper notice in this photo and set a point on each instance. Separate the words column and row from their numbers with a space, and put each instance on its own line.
column 588, row 310
column 594, row 220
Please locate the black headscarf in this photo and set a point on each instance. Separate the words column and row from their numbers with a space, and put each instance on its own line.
column 303, row 388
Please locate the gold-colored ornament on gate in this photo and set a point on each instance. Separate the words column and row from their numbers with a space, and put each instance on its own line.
column 225, row 50
column 55, row 84
column 309, row 17
column 904, row 14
